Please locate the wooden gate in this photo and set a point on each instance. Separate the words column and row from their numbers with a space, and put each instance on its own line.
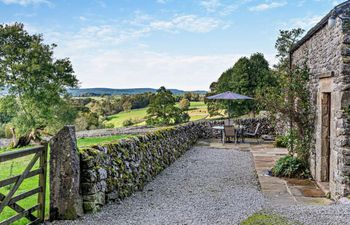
column 10, row 199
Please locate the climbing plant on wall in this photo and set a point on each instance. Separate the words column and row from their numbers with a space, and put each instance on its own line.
column 290, row 100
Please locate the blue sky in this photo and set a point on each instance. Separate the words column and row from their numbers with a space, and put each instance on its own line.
column 183, row 44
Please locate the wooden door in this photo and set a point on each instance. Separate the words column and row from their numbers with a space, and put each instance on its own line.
column 325, row 136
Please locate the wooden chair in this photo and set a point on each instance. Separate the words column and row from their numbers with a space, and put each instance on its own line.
column 229, row 132
column 255, row 134
column 228, row 122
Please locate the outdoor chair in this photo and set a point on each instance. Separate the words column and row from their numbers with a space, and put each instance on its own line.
column 255, row 134
column 229, row 132
column 228, row 122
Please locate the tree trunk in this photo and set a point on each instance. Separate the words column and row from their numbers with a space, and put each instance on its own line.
column 25, row 140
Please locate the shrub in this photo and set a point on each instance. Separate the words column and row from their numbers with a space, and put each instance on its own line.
column 281, row 141
column 8, row 131
column 291, row 167
column 128, row 123
column 184, row 104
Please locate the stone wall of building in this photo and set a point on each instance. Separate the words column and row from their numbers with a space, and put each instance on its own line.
column 326, row 53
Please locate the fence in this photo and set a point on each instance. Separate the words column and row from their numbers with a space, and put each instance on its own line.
column 10, row 199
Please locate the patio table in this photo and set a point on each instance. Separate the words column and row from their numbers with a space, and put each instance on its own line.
column 239, row 131
column 221, row 128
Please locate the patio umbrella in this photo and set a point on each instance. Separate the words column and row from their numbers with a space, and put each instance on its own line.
column 228, row 95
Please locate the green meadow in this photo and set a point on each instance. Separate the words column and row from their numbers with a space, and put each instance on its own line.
column 197, row 111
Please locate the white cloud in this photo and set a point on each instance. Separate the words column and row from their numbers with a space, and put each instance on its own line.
column 305, row 22
column 112, row 35
column 99, row 61
column 130, row 69
column 267, row 6
column 335, row 2
column 162, row 1
column 221, row 7
column 26, row 2
column 190, row 23
column 101, row 3
column 82, row 18
column 210, row 5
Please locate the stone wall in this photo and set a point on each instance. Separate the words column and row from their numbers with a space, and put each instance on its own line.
column 116, row 170
column 133, row 130
column 327, row 54
column 113, row 171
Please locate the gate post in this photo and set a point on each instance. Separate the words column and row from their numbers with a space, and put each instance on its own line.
column 65, row 195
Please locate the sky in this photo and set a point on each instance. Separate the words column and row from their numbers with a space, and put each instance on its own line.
column 184, row 44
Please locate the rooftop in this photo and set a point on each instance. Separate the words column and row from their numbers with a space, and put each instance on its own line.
column 337, row 9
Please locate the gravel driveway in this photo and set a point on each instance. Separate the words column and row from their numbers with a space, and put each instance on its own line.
column 322, row 215
column 205, row 186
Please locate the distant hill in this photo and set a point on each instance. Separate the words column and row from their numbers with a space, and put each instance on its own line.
column 130, row 91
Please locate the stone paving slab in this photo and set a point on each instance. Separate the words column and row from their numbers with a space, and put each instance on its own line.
column 284, row 191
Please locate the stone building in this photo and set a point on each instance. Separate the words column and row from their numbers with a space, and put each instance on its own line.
column 326, row 51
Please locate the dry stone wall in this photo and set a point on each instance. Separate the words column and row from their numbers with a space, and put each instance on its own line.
column 114, row 171
column 97, row 175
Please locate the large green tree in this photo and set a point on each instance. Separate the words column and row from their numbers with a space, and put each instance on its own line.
column 36, row 82
column 246, row 77
column 162, row 109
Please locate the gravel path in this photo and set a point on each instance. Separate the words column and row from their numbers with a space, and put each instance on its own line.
column 205, row 186
column 322, row 215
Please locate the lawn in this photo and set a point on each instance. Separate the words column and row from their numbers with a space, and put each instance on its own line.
column 117, row 120
column 265, row 219
column 197, row 111
column 17, row 166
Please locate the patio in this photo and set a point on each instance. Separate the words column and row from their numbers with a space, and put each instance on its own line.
column 277, row 190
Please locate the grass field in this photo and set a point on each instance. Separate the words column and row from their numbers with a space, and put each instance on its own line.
column 83, row 142
column 117, row 120
column 17, row 166
column 197, row 111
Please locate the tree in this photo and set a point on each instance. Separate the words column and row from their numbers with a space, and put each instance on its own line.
column 212, row 105
column 290, row 99
column 37, row 82
column 184, row 104
column 162, row 109
column 285, row 41
column 247, row 77
column 127, row 105
column 87, row 121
